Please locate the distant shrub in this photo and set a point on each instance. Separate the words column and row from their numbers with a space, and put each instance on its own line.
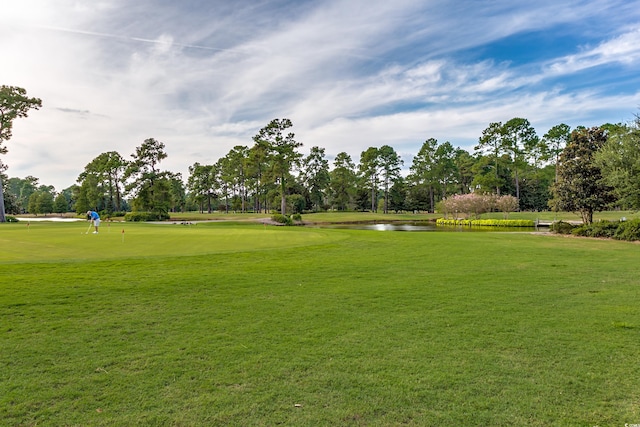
column 606, row 229
column 628, row 230
column 10, row 218
column 113, row 214
column 296, row 217
column 625, row 230
column 146, row 216
column 281, row 219
column 561, row 227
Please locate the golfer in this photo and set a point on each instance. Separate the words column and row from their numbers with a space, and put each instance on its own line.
column 93, row 216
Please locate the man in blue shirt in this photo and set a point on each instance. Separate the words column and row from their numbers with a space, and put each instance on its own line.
column 93, row 216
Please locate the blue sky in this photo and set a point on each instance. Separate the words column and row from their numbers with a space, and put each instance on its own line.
column 203, row 76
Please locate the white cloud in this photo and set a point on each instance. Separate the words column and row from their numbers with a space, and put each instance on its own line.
column 624, row 49
column 205, row 76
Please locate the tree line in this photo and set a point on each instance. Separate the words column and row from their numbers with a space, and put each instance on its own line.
column 581, row 170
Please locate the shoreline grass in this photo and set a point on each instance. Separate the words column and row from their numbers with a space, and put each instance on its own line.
column 355, row 217
column 255, row 325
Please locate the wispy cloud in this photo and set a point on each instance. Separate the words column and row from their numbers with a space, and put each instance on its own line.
column 623, row 49
column 205, row 76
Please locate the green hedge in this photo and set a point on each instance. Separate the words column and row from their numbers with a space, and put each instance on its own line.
column 487, row 222
column 628, row 230
column 146, row 216
column 561, row 227
column 623, row 230
column 282, row 219
column 286, row 220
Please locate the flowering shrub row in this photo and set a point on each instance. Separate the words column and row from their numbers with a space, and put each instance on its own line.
column 487, row 222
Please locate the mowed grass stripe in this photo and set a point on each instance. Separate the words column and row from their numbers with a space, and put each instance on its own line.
column 49, row 242
column 362, row 328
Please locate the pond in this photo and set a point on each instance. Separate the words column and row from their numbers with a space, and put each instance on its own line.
column 422, row 226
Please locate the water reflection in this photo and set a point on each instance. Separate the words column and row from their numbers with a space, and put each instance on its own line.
column 419, row 226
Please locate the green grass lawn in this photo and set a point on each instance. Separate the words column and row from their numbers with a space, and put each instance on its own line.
column 251, row 325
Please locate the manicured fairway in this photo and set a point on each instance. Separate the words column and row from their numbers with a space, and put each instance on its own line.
column 247, row 325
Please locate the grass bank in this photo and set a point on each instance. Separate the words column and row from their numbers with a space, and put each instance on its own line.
column 352, row 217
column 227, row 324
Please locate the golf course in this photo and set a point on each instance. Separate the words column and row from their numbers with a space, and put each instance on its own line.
column 245, row 324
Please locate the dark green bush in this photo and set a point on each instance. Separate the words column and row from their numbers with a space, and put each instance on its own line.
column 281, row 219
column 561, row 227
column 628, row 230
column 606, row 229
column 10, row 218
column 146, row 216
column 114, row 214
column 296, row 217
column 625, row 230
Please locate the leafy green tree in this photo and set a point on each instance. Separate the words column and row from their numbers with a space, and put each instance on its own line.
column 315, row 177
column 485, row 179
column 342, row 182
column 423, row 175
column 223, row 180
column 580, row 187
column 492, row 146
column 390, row 166
column 113, row 169
column 22, row 190
column 556, row 139
column 149, row 186
column 41, row 201
column 60, row 204
column 107, row 171
column 201, row 186
column 282, row 153
column 44, row 202
column 14, row 103
column 518, row 138
column 445, row 167
column 398, row 195
column 70, row 194
column 464, row 170
column 535, row 188
column 32, row 207
column 417, row 196
column 619, row 160
column 177, row 192
column 369, row 172
column 89, row 194
column 236, row 174
column 258, row 174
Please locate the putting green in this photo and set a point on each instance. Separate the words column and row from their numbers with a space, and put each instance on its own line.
column 48, row 241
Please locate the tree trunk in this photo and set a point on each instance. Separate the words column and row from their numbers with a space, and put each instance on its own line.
column 431, row 199
column 2, row 217
column 372, row 199
column 283, row 198
column 587, row 216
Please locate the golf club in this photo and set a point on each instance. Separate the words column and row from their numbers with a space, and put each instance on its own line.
column 90, row 224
